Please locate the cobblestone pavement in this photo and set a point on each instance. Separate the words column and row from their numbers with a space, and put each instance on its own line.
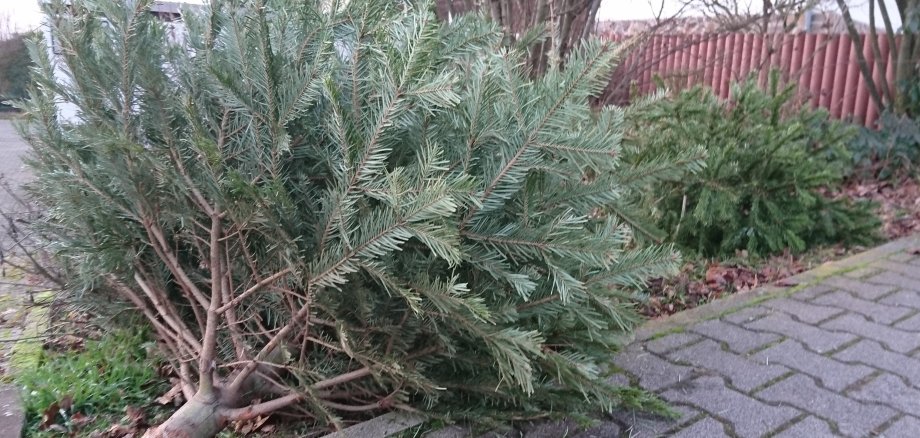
column 840, row 357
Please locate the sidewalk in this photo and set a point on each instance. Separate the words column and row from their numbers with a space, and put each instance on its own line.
column 838, row 357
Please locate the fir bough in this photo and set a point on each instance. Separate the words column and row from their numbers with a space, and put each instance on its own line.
column 337, row 209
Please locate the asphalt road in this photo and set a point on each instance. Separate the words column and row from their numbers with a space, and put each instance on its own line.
column 12, row 149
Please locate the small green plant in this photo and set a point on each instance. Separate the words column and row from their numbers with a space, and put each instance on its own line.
column 891, row 150
column 766, row 166
column 90, row 389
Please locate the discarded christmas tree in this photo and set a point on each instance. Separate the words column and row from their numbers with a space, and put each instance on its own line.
column 341, row 210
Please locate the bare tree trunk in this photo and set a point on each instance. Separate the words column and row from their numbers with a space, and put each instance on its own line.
column 569, row 21
column 860, row 57
column 906, row 68
column 590, row 24
column 881, row 63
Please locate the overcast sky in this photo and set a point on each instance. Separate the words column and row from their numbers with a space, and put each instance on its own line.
column 24, row 14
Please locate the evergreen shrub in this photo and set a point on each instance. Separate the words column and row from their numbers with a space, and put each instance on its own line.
column 767, row 164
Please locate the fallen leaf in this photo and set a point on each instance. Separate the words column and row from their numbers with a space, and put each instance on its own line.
column 172, row 394
column 118, row 431
column 136, row 416
column 78, row 419
column 49, row 416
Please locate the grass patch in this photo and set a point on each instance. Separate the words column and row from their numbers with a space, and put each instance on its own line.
column 668, row 332
column 109, row 374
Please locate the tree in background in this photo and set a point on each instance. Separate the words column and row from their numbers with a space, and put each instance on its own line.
column 336, row 212
column 14, row 67
column 902, row 97
column 563, row 23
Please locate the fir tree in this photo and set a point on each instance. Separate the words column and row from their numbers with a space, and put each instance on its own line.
column 341, row 208
column 767, row 165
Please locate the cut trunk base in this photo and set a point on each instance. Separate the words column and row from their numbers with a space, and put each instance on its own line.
column 195, row 419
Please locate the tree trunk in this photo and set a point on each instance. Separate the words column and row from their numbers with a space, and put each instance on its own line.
column 195, row 419
column 906, row 68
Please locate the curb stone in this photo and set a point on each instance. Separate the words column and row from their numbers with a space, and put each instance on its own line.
column 383, row 426
column 12, row 417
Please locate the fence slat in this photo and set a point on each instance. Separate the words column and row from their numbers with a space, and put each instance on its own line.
column 852, row 84
column 827, row 78
column 807, row 66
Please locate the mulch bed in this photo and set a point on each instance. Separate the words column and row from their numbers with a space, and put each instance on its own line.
column 701, row 281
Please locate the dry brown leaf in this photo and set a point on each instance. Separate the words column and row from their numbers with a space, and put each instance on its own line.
column 172, row 394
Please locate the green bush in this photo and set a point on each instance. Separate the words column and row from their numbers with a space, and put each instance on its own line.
column 14, row 68
column 889, row 151
column 766, row 166
column 101, row 380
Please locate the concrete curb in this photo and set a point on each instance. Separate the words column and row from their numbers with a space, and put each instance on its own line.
column 382, row 426
column 12, row 417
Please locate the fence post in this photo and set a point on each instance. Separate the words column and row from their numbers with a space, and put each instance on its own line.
column 827, row 78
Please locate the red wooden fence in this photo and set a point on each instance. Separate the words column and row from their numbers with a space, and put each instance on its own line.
column 824, row 67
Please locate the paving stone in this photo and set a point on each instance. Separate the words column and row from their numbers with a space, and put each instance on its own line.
column 901, row 257
column 738, row 339
column 890, row 390
column 549, row 429
column 851, row 417
column 747, row 314
column 707, row 427
column 813, row 291
column 906, row 427
column 803, row 311
column 671, row 342
column 454, row 431
column 862, row 272
column 640, row 425
column 911, row 324
column 897, row 340
column 872, row 354
column 653, row 372
column 894, row 279
column 606, row 429
column 749, row 417
column 809, row 427
column 904, row 298
column 499, row 434
column 619, row 380
column 832, row 374
column 862, row 288
column 813, row 337
column 877, row 312
column 743, row 373
column 904, row 269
